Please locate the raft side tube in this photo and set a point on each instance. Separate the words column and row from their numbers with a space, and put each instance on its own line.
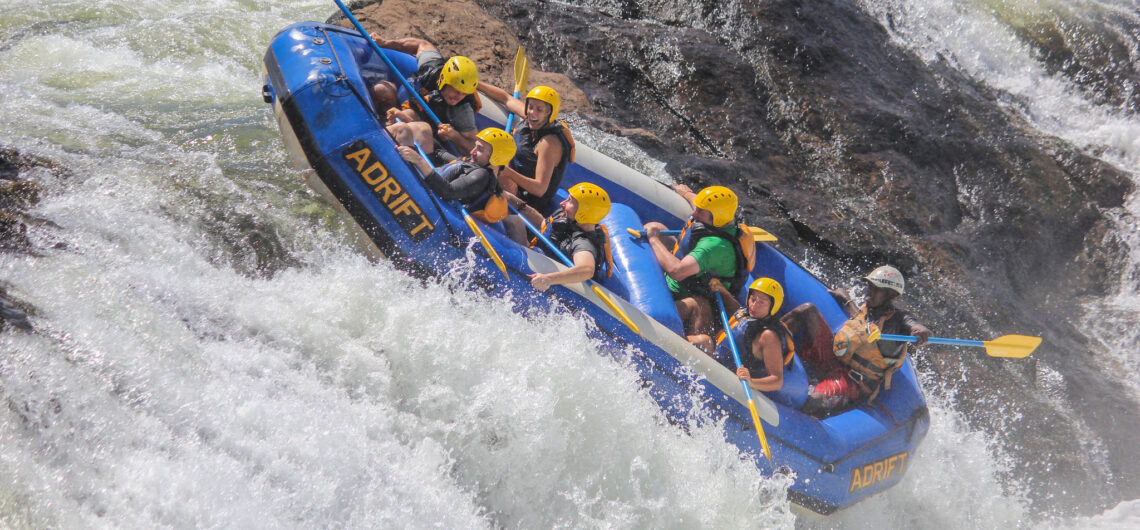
column 637, row 276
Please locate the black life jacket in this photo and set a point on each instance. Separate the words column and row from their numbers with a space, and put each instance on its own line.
column 745, row 329
column 699, row 283
column 561, row 231
column 525, row 161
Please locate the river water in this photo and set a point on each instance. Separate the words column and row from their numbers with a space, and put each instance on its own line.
column 211, row 351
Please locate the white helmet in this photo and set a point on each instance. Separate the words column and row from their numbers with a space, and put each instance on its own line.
column 887, row 277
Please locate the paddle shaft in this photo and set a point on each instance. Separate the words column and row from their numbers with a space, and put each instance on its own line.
column 392, row 66
column 511, row 118
column 934, row 340
column 747, row 387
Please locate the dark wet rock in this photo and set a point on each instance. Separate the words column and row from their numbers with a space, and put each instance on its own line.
column 13, row 313
column 854, row 152
column 1083, row 47
column 17, row 194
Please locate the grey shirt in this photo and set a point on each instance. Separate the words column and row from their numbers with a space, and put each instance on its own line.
column 462, row 116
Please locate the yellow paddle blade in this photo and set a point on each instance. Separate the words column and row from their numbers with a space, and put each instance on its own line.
column 759, row 234
column 522, row 71
column 487, row 245
column 613, row 307
column 760, row 431
column 1013, row 346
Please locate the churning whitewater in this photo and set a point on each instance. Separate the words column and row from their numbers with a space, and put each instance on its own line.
column 211, row 350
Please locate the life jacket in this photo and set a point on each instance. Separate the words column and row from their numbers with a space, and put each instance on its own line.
column 525, row 161
column 490, row 206
column 560, row 230
column 427, row 84
column 743, row 245
column 745, row 329
column 867, row 366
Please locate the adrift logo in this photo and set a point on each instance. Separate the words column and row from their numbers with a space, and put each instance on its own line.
column 876, row 472
column 405, row 210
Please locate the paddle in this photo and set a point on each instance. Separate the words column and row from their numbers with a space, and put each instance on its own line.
column 1011, row 346
column 379, row 51
column 471, row 223
column 747, row 387
column 522, row 77
column 593, row 285
column 758, row 234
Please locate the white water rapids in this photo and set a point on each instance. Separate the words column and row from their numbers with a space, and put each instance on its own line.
column 212, row 353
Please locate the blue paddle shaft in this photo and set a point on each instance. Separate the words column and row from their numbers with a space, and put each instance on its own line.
column 511, row 118
column 934, row 340
column 565, row 260
column 731, row 342
column 396, row 71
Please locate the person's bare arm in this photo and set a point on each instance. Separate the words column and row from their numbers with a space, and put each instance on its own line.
column 582, row 270
column 513, row 104
column 408, row 45
column 676, row 268
column 686, row 193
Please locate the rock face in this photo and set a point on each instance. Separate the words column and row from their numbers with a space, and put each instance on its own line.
column 845, row 145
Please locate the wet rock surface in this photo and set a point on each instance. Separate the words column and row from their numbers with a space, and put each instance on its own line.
column 854, row 152
column 17, row 194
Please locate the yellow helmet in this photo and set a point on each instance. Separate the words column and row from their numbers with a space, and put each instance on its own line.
column 460, row 73
column 549, row 96
column 503, row 147
column 593, row 202
column 771, row 288
column 719, row 200
column 887, row 277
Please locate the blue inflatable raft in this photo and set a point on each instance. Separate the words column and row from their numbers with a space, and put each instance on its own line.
column 317, row 78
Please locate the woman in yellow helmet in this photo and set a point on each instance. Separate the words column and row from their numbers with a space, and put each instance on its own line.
column 470, row 180
column 545, row 145
column 765, row 342
column 448, row 86
column 575, row 231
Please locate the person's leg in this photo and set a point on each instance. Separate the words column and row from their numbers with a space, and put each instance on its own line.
column 696, row 315
column 835, row 394
column 516, row 229
column 421, row 132
column 817, row 351
column 400, row 133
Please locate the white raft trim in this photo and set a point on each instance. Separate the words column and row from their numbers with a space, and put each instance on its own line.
column 612, row 170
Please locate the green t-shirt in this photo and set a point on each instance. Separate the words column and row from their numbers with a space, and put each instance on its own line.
column 715, row 256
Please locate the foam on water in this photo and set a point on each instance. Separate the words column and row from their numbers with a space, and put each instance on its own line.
column 1123, row 515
